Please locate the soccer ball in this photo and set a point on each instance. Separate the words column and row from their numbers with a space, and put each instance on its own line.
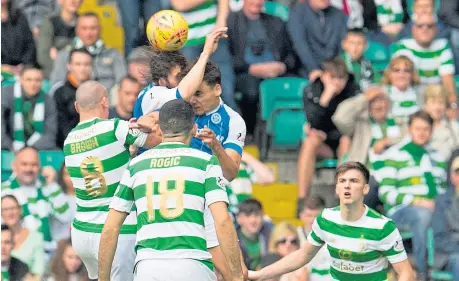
column 167, row 30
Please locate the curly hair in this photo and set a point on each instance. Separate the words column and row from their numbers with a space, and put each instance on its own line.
column 162, row 63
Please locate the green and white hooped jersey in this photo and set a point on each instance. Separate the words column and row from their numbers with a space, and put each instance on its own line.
column 170, row 185
column 359, row 250
column 389, row 11
column 96, row 155
column 242, row 184
column 431, row 62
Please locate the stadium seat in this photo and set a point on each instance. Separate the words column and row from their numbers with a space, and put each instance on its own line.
column 51, row 158
column 279, row 200
column 410, row 3
column 457, row 82
column 6, row 162
column 434, row 272
column 276, row 9
column 282, row 114
column 378, row 55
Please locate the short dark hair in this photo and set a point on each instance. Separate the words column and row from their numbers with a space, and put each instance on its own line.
column 250, row 206
column 314, row 203
column 176, row 118
column 356, row 31
column 129, row 78
column 5, row 227
column 88, row 15
column 162, row 63
column 80, row 51
column 336, row 66
column 352, row 165
column 212, row 75
column 28, row 67
column 421, row 114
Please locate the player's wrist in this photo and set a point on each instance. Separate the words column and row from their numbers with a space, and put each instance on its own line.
column 205, row 55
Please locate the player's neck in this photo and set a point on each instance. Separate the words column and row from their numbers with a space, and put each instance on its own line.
column 182, row 139
column 352, row 212
column 88, row 115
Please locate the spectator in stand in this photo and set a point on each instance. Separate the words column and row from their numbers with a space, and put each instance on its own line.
column 410, row 175
column 353, row 10
column 108, row 64
column 12, row 268
column 445, row 223
column 260, row 48
column 432, row 57
column 321, row 98
column 203, row 17
column 61, row 230
column 39, row 199
column 66, row 264
column 36, row 11
column 28, row 246
column 29, row 116
column 423, row 7
column 316, row 30
column 138, row 67
column 365, row 118
column 384, row 19
column 127, row 96
column 283, row 241
column 253, row 233
column 449, row 13
column 400, row 82
column 18, row 46
column 445, row 136
column 131, row 11
column 354, row 46
column 56, row 32
column 79, row 69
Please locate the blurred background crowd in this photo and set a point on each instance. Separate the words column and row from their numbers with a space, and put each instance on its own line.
column 318, row 82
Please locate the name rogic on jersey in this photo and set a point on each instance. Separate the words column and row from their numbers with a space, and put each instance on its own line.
column 96, row 155
column 169, row 185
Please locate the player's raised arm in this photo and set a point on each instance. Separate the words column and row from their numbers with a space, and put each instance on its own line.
column 190, row 83
column 289, row 263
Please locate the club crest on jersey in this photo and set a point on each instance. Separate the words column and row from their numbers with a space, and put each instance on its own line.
column 221, row 182
column 134, row 132
column 216, row 118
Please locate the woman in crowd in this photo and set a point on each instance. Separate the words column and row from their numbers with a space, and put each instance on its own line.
column 66, row 265
column 283, row 241
column 62, row 230
column 400, row 80
column 28, row 244
column 445, row 137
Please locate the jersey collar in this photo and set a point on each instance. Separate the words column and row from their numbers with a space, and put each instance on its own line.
column 174, row 144
column 215, row 109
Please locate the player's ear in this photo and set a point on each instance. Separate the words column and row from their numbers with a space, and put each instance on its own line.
column 218, row 90
column 366, row 189
column 162, row 82
column 194, row 130
column 76, row 107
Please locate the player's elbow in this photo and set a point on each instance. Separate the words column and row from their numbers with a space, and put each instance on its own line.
column 223, row 221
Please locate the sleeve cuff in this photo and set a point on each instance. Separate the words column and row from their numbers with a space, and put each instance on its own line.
column 234, row 147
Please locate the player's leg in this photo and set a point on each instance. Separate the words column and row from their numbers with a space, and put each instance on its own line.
column 86, row 245
column 124, row 260
column 173, row 270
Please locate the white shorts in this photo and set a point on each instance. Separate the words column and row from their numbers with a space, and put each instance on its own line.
column 86, row 245
column 173, row 270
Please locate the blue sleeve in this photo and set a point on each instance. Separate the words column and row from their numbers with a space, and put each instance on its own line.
column 138, row 107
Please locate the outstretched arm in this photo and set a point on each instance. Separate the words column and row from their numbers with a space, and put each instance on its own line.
column 190, row 83
column 404, row 270
column 289, row 263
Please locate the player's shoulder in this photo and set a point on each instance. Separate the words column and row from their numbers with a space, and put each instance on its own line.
column 232, row 114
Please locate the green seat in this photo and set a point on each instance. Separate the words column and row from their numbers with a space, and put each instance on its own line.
column 410, row 3
column 378, row 55
column 6, row 164
column 282, row 115
column 51, row 158
column 327, row 164
column 276, row 9
column 435, row 273
column 406, row 235
column 456, row 78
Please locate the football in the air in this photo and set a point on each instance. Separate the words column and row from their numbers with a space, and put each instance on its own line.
column 167, row 30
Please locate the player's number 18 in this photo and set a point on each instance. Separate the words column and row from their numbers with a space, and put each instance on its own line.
column 166, row 194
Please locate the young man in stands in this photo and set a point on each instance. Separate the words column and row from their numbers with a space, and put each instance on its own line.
column 410, row 175
column 28, row 114
column 321, row 98
column 127, row 96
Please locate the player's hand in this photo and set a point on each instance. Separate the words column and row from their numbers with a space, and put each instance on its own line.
column 254, row 275
column 147, row 123
column 49, row 174
column 211, row 43
column 208, row 137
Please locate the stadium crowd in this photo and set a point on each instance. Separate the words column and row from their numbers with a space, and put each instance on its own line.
column 400, row 120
